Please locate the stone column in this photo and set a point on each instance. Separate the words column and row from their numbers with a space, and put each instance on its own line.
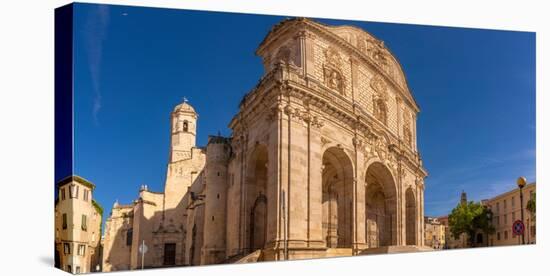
column 315, row 189
column 359, row 228
column 402, row 207
column 274, row 233
column 295, row 149
column 242, row 191
column 308, row 54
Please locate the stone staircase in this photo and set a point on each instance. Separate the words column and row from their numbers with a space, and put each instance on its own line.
column 250, row 258
column 338, row 252
column 257, row 256
column 395, row 249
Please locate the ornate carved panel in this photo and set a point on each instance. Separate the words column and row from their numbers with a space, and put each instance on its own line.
column 334, row 79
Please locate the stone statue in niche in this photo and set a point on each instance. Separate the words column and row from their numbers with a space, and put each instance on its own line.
column 332, row 69
column 380, row 111
column 284, row 55
column 334, row 80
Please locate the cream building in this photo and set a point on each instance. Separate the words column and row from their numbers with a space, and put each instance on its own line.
column 450, row 241
column 322, row 161
column 77, row 227
column 434, row 233
column 506, row 209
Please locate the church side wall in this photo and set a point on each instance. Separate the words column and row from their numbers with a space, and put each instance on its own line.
column 213, row 250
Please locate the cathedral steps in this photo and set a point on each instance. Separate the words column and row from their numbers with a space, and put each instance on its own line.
column 250, row 258
column 395, row 249
column 338, row 252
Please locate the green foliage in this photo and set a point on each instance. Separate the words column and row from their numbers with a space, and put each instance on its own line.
column 532, row 206
column 470, row 218
column 97, row 207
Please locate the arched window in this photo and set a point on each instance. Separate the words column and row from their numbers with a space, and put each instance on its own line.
column 185, row 126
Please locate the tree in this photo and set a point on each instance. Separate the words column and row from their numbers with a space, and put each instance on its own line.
column 483, row 223
column 470, row 218
column 531, row 206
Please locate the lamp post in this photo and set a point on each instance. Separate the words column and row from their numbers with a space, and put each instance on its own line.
column 522, row 181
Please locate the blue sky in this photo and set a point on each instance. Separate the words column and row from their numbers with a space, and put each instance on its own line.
column 475, row 88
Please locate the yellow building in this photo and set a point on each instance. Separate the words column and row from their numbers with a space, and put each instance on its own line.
column 506, row 209
column 434, row 233
column 77, row 226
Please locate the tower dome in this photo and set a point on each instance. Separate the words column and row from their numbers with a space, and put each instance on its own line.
column 184, row 127
column 184, row 107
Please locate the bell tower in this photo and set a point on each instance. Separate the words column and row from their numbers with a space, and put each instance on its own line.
column 183, row 131
column 463, row 198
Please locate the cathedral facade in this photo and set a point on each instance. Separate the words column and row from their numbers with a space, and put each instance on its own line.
column 322, row 161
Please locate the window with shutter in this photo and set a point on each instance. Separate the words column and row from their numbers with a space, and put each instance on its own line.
column 81, row 249
column 64, row 221
column 84, row 226
column 72, row 191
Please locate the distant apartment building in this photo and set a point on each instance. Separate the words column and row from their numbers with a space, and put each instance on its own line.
column 452, row 242
column 77, row 227
column 434, row 233
column 506, row 209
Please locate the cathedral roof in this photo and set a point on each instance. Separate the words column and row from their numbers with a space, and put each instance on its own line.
column 184, row 107
column 350, row 37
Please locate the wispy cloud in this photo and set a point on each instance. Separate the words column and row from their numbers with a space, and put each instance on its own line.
column 484, row 177
column 479, row 165
column 95, row 34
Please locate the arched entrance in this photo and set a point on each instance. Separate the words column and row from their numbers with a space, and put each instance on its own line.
column 410, row 204
column 256, row 188
column 381, row 207
column 258, row 223
column 337, row 183
column 479, row 239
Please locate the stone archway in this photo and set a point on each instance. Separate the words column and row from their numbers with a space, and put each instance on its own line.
column 410, row 217
column 381, row 206
column 258, row 223
column 337, row 184
column 256, row 200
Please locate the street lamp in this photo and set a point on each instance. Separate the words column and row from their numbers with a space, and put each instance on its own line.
column 522, row 181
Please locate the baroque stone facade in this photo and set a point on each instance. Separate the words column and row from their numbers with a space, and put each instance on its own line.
column 322, row 161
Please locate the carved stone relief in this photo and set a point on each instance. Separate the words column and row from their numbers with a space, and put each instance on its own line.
column 334, row 79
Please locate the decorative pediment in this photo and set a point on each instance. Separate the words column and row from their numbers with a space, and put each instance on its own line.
column 379, row 86
column 334, row 78
column 332, row 57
